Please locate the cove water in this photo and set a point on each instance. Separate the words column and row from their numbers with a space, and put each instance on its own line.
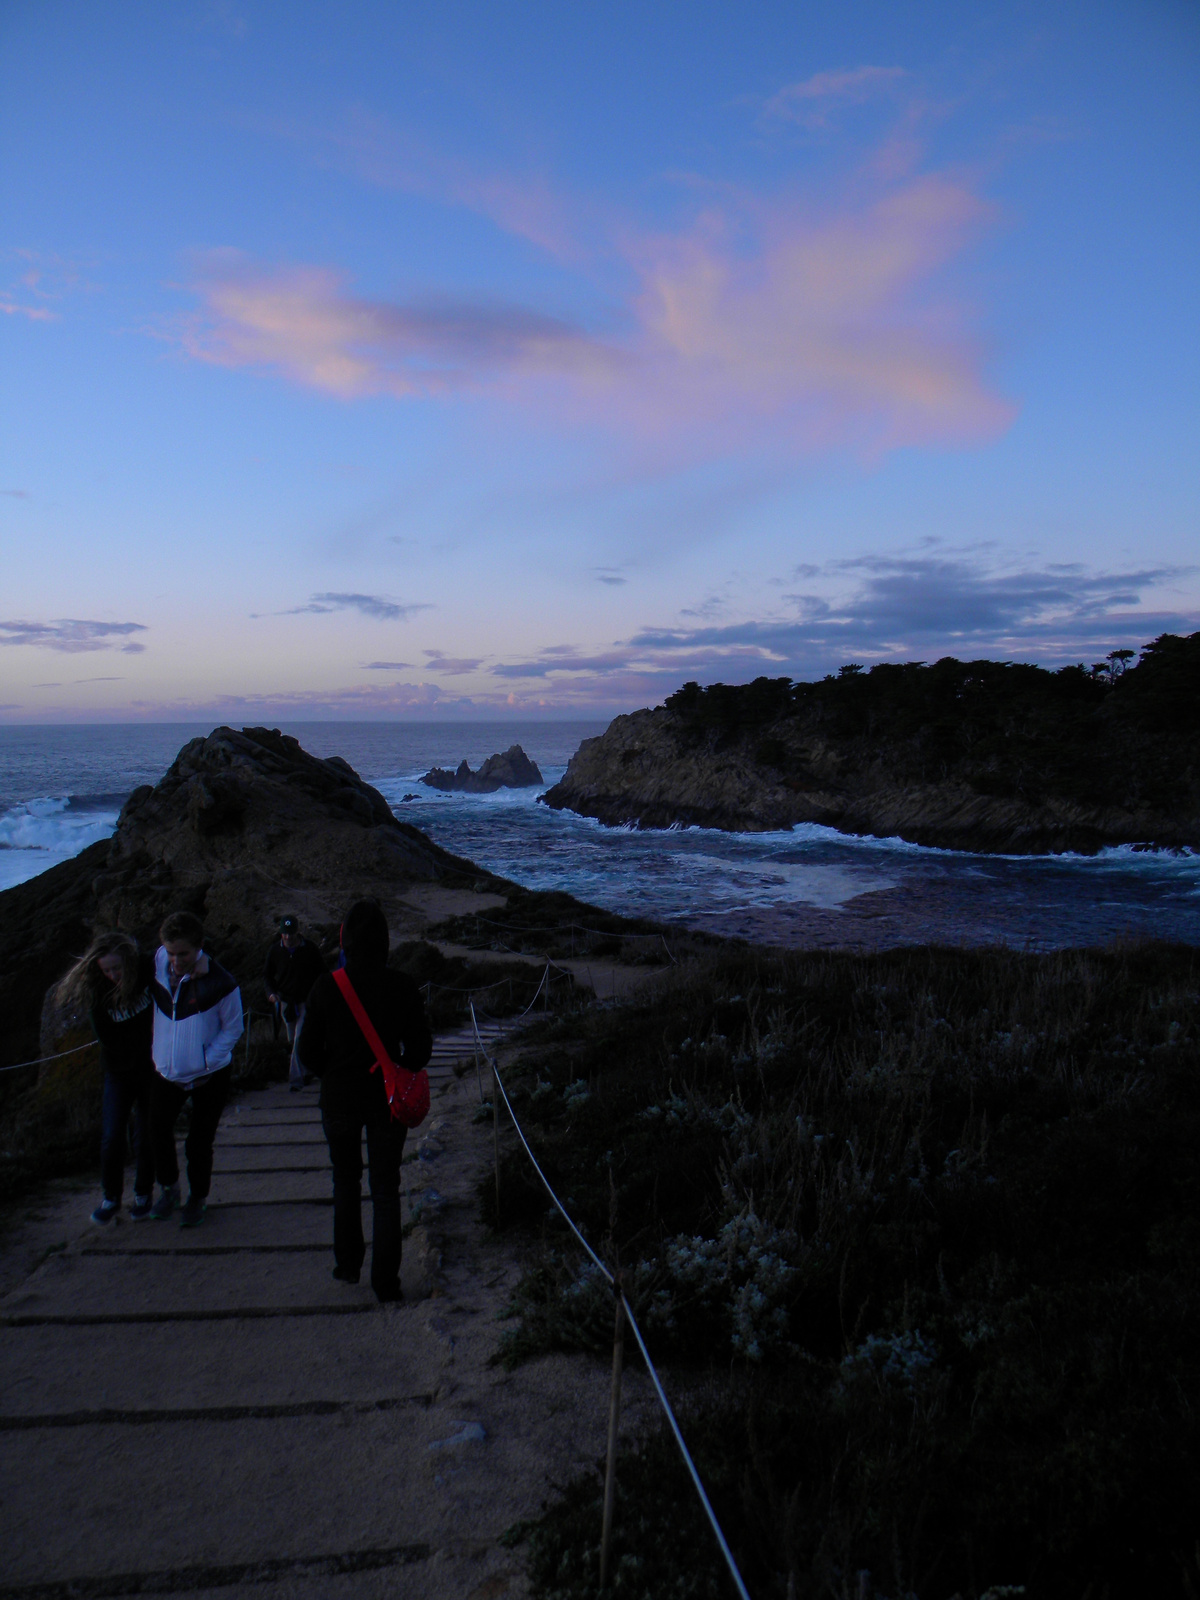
column 62, row 788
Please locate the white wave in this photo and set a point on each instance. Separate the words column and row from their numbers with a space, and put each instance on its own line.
column 40, row 833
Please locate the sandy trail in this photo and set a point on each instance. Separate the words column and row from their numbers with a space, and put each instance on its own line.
column 209, row 1412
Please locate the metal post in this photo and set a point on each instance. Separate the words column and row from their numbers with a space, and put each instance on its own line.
column 614, row 1425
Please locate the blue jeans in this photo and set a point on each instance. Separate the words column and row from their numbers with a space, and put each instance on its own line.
column 124, row 1093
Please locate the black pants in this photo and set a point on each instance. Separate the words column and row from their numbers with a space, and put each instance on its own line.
column 208, row 1101
column 385, row 1148
column 123, row 1093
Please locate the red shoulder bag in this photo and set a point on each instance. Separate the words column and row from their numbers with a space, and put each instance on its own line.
column 407, row 1092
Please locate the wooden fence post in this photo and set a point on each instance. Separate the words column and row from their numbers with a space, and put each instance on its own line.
column 614, row 1426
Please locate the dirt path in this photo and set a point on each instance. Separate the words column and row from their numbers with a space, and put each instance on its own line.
column 209, row 1412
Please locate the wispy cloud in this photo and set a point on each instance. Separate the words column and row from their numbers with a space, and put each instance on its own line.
column 766, row 321
column 72, row 635
column 10, row 307
column 810, row 101
column 376, row 606
column 905, row 607
column 810, row 330
column 376, row 151
column 15, row 494
column 40, row 280
column 610, row 575
column 452, row 666
column 305, row 323
column 388, row 666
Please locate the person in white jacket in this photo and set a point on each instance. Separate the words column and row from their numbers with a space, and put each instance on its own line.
column 197, row 1022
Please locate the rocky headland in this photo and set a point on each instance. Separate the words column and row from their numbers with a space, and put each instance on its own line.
column 981, row 756
column 243, row 827
column 509, row 769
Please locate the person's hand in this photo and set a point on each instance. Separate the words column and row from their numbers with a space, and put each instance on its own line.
column 274, row 999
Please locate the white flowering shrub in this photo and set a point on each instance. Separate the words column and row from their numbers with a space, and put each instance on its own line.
column 746, row 1273
column 901, row 1362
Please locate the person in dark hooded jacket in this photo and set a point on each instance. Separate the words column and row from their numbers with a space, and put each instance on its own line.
column 353, row 1097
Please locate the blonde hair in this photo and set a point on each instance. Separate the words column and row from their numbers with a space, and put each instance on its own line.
column 85, row 980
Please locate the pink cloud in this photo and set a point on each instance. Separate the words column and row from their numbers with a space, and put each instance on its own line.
column 10, row 308
column 375, row 151
column 760, row 322
column 302, row 321
column 809, row 102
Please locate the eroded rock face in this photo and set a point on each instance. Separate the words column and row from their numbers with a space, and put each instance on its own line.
column 654, row 769
column 243, row 827
column 510, row 770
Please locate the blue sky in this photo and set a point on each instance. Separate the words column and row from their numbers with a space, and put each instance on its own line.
column 425, row 361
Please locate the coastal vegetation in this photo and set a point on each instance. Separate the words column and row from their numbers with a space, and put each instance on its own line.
column 983, row 755
column 916, row 1236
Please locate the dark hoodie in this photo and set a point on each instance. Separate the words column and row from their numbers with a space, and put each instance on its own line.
column 331, row 1044
column 125, row 1029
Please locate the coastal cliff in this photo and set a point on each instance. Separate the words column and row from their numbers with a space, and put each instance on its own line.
column 243, row 827
column 981, row 756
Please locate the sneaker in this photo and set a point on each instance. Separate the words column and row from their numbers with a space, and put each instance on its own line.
column 166, row 1202
column 106, row 1210
column 140, row 1209
column 192, row 1214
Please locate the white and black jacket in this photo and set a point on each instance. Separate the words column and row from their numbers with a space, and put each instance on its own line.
column 196, row 1028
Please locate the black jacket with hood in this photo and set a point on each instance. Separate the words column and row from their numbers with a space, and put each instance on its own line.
column 331, row 1044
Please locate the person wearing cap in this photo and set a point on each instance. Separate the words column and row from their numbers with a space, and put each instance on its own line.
column 293, row 966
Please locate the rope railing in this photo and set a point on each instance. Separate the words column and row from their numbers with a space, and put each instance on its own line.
column 40, row 1061
column 625, row 1310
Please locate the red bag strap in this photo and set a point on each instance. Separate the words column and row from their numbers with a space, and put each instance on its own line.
column 359, row 1012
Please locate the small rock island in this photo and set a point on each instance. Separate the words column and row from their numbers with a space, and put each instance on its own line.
column 510, row 770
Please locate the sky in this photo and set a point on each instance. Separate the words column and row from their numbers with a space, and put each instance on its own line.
column 449, row 360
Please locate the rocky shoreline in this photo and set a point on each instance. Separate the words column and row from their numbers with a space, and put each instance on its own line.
column 1008, row 760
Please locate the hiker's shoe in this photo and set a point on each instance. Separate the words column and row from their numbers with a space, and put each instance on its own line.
column 294, row 1087
column 166, row 1202
column 192, row 1214
column 344, row 1275
column 141, row 1207
column 106, row 1210
column 391, row 1294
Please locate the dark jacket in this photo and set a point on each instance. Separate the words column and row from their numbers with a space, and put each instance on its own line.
column 291, row 973
column 331, row 1044
column 126, row 1031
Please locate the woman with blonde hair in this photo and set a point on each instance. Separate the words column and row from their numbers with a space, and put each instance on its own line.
column 112, row 979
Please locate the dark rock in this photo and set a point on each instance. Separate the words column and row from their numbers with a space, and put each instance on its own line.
column 237, row 823
column 510, row 770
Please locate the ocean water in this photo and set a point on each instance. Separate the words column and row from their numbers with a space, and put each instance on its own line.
column 61, row 789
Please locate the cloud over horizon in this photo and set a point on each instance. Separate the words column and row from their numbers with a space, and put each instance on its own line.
column 377, row 607
column 73, row 635
column 890, row 608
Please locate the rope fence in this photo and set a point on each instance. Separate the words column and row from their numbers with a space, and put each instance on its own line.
column 624, row 1314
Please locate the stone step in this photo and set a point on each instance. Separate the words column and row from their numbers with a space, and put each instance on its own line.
column 97, row 1500
column 188, row 1286
column 212, row 1364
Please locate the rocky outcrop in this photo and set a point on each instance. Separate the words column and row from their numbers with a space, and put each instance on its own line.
column 243, row 827
column 510, row 770
column 1098, row 769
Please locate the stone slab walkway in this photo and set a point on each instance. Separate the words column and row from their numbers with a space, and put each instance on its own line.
column 208, row 1412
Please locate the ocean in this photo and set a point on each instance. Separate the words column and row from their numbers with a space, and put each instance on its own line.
column 61, row 789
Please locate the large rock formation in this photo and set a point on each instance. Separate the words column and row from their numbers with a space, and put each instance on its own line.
column 973, row 756
column 242, row 828
column 510, row 770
